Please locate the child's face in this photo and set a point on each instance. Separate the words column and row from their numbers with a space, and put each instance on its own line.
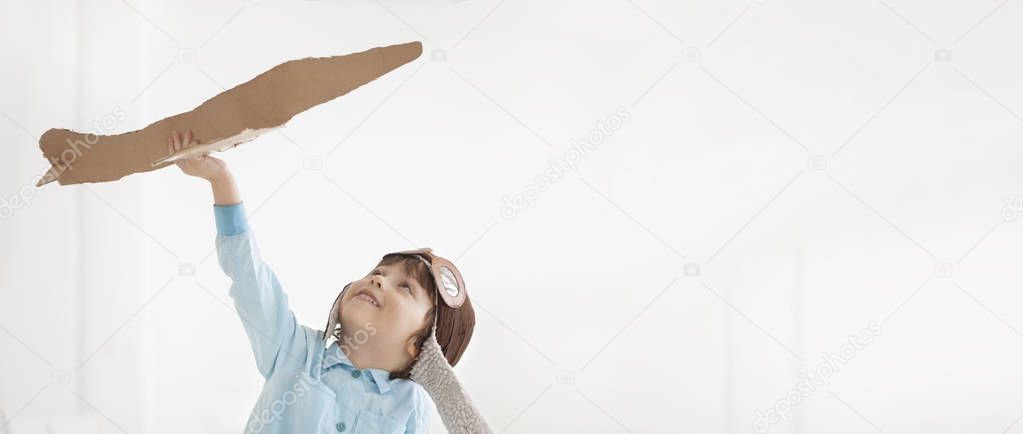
column 389, row 306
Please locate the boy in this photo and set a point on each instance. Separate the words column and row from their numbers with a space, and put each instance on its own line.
column 382, row 356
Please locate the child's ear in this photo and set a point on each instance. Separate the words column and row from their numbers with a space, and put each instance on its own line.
column 411, row 348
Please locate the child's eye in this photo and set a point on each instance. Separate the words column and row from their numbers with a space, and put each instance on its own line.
column 407, row 288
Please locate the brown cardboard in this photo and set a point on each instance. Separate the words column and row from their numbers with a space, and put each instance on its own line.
column 234, row 116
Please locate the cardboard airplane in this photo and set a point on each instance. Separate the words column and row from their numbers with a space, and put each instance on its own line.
column 232, row 117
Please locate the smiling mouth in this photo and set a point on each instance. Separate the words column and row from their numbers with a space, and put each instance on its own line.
column 366, row 298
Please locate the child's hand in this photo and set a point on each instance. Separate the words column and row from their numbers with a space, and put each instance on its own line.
column 202, row 166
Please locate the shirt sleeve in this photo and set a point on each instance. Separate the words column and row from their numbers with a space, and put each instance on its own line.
column 274, row 334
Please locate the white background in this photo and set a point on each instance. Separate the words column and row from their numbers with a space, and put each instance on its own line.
column 821, row 163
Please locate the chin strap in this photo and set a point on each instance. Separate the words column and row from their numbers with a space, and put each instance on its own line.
column 456, row 409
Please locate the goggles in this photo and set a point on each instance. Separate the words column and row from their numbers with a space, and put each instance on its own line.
column 448, row 280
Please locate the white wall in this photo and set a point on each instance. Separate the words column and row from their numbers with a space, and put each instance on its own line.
column 588, row 320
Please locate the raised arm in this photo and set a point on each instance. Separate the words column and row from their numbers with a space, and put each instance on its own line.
column 274, row 334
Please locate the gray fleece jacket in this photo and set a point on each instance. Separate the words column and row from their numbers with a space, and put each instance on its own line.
column 456, row 409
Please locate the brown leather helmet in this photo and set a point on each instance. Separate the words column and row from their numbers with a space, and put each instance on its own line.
column 455, row 319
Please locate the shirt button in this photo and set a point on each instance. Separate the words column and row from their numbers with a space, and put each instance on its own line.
column 356, row 373
column 340, row 426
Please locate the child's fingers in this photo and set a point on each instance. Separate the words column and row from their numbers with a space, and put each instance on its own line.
column 188, row 138
column 177, row 141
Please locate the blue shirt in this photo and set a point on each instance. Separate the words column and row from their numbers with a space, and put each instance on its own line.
column 310, row 387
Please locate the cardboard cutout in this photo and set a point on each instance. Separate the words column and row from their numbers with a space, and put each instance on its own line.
column 232, row 117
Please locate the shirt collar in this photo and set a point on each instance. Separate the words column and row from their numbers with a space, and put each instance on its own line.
column 334, row 356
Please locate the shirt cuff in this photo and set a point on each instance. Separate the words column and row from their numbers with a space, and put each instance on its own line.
column 230, row 219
